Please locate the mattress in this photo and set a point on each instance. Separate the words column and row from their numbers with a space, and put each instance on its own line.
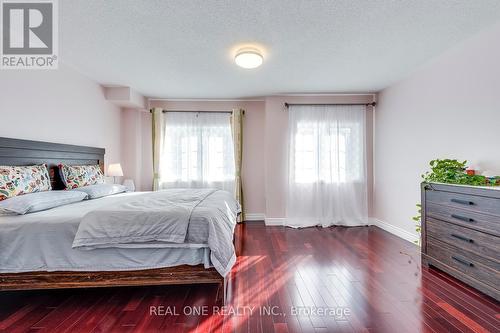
column 42, row 241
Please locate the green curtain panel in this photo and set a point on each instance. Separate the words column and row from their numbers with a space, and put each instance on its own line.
column 157, row 131
column 237, row 131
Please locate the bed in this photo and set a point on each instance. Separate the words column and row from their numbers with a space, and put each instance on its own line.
column 36, row 249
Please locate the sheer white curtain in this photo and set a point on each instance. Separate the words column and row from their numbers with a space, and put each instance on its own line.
column 327, row 181
column 197, row 151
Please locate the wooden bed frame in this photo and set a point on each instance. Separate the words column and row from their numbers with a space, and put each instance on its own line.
column 24, row 152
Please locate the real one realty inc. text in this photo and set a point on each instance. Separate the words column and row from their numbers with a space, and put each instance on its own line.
column 339, row 313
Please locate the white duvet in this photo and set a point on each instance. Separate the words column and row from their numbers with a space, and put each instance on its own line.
column 158, row 219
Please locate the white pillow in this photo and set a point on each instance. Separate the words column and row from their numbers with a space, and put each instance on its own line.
column 34, row 202
column 101, row 190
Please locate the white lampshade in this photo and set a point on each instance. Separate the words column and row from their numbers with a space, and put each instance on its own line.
column 115, row 170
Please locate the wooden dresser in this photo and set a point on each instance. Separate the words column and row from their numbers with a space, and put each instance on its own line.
column 461, row 233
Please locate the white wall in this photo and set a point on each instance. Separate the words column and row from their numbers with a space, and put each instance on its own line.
column 132, row 146
column 59, row 106
column 449, row 109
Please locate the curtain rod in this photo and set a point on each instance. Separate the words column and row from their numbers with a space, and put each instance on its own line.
column 197, row 111
column 326, row 104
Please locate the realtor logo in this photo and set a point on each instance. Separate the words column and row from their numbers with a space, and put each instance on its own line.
column 29, row 37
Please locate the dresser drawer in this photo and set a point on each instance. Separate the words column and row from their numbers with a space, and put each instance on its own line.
column 474, row 241
column 466, row 202
column 483, row 270
column 467, row 218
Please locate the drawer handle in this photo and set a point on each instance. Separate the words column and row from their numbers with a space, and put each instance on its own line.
column 462, row 218
column 462, row 202
column 463, row 262
column 465, row 239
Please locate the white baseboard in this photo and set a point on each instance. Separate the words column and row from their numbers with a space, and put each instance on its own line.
column 275, row 221
column 255, row 217
column 280, row 221
column 397, row 231
column 270, row 221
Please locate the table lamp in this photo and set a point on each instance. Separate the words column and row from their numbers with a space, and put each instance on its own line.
column 115, row 170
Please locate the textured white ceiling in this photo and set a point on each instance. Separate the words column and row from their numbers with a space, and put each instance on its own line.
column 185, row 49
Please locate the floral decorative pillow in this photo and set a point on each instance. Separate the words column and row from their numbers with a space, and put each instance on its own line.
column 19, row 180
column 75, row 176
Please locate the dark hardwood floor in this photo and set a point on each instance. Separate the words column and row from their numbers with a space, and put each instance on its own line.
column 285, row 280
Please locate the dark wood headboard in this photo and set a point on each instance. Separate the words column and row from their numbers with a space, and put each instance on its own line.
column 26, row 152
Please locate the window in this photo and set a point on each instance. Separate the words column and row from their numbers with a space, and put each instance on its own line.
column 197, row 150
column 327, row 181
column 326, row 146
column 322, row 153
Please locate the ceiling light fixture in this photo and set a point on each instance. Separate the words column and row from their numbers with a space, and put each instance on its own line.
column 248, row 58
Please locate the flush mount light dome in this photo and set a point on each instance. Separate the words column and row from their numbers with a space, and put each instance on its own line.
column 248, row 58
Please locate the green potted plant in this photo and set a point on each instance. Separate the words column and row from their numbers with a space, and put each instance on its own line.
column 452, row 172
